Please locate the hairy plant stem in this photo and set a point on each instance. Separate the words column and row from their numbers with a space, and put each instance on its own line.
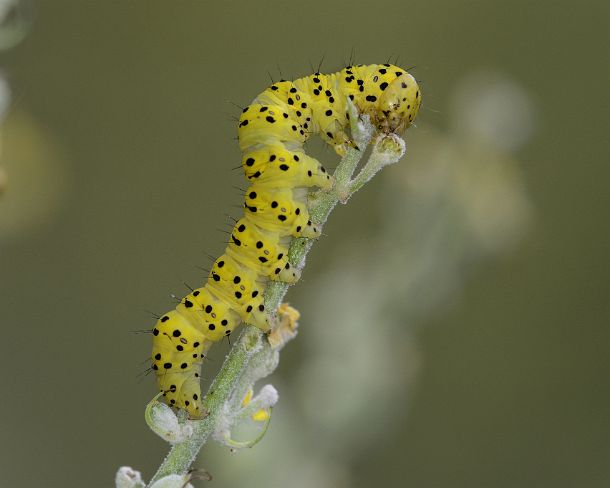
column 252, row 344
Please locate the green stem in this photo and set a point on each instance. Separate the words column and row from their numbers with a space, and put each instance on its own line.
column 251, row 343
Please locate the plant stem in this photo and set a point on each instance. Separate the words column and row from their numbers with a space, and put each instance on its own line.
column 252, row 343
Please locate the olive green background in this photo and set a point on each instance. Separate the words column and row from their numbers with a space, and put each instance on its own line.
column 135, row 100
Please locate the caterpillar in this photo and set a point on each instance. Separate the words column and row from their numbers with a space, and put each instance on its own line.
column 271, row 133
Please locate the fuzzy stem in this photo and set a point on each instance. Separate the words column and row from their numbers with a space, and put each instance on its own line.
column 252, row 343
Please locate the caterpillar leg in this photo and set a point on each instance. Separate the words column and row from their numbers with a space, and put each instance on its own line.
column 254, row 313
column 309, row 229
column 285, row 272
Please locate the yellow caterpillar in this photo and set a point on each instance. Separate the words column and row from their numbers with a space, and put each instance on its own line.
column 272, row 131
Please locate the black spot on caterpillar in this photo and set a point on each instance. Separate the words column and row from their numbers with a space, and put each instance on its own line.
column 272, row 131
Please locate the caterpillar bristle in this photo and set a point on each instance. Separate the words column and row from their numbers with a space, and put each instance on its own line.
column 310, row 66
column 272, row 131
column 241, row 109
column 141, row 331
column 148, row 359
column 320, row 64
column 143, row 374
column 352, row 57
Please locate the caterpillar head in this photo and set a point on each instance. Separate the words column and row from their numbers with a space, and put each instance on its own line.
column 399, row 104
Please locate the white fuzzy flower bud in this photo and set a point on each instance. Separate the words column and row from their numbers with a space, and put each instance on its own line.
column 388, row 150
column 164, row 422
column 127, row 477
column 173, row 481
column 257, row 408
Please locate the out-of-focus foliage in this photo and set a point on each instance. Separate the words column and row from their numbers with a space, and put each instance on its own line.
column 12, row 30
column 35, row 179
column 14, row 22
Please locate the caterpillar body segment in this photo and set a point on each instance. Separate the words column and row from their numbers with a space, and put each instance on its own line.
column 261, row 251
column 274, row 165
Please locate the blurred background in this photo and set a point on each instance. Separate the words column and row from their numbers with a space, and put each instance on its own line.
column 454, row 328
